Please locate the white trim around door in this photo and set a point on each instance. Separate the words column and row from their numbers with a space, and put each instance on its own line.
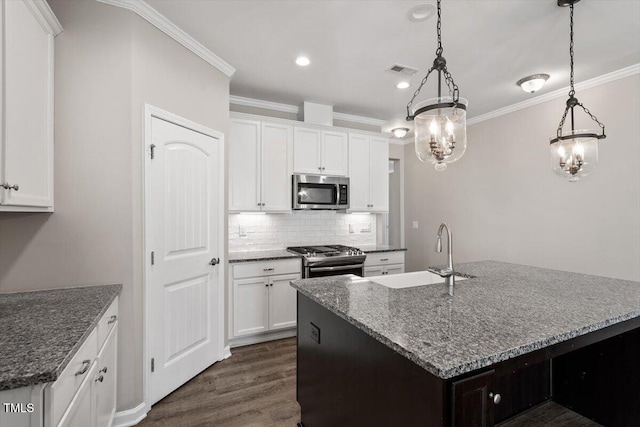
column 150, row 112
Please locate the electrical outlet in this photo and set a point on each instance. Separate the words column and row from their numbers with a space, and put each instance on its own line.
column 242, row 232
column 351, row 230
column 315, row 333
column 366, row 228
column 414, row 225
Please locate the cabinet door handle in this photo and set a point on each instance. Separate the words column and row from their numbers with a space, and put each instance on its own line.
column 6, row 186
column 384, row 259
column 267, row 269
column 85, row 366
column 112, row 319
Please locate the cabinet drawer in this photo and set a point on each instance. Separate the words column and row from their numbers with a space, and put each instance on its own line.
column 65, row 387
column 267, row 268
column 384, row 258
column 107, row 322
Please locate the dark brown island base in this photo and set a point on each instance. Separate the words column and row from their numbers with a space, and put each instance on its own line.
column 511, row 338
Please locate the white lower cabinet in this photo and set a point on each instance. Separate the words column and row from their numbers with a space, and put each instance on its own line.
column 384, row 263
column 262, row 299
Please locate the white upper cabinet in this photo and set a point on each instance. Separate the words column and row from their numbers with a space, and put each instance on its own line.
column 321, row 152
column 306, row 150
column 276, row 167
column 369, row 173
column 260, row 166
column 26, row 115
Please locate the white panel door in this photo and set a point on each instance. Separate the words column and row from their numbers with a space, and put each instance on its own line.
column 379, row 175
column 184, row 330
column 277, row 167
column 306, row 150
column 282, row 302
column 244, row 165
column 27, row 158
column 250, row 306
column 335, row 153
column 359, row 173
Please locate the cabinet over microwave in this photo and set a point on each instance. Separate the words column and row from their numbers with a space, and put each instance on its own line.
column 320, row 192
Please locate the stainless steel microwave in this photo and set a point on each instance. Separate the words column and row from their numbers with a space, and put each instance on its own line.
column 320, row 192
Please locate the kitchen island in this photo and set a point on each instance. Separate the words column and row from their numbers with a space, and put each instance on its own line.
column 512, row 337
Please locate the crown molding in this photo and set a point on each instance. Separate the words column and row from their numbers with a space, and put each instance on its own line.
column 358, row 119
column 45, row 16
column 155, row 18
column 294, row 109
column 267, row 105
column 560, row 93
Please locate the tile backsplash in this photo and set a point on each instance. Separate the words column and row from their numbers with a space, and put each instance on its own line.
column 276, row 231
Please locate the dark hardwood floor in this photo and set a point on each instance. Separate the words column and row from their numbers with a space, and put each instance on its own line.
column 256, row 386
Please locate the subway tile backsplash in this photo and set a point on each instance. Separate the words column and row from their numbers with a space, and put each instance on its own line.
column 276, row 231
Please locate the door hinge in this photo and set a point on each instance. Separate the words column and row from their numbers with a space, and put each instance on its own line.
column 153, row 258
column 153, row 151
column 153, row 364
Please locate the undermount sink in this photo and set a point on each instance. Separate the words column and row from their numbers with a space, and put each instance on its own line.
column 409, row 280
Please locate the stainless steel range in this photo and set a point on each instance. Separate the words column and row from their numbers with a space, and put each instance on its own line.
column 330, row 260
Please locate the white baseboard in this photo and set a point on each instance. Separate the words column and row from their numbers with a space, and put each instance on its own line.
column 226, row 353
column 255, row 339
column 130, row 417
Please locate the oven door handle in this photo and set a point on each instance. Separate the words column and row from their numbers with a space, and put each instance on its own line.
column 337, row 268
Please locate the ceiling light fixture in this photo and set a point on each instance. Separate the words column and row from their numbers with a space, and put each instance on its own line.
column 533, row 83
column 302, row 61
column 399, row 132
column 575, row 154
column 422, row 12
column 403, row 85
column 440, row 123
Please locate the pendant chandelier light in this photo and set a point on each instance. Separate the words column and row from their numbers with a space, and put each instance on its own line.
column 440, row 123
column 574, row 154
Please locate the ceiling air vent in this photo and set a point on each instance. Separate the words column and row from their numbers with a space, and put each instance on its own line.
column 403, row 69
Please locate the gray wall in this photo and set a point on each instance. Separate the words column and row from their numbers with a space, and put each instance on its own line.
column 109, row 62
column 504, row 203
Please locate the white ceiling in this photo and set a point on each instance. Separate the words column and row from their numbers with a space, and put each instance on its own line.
column 488, row 44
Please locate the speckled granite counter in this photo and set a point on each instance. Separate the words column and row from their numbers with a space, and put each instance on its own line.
column 505, row 311
column 42, row 330
column 380, row 248
column 235, row 257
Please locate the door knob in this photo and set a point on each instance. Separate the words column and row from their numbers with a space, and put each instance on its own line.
column 214, row 261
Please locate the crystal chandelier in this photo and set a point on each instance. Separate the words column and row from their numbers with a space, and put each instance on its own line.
column 574, row 154
column 440, row 123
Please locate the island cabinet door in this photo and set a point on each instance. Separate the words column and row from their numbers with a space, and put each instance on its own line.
column 472, row 401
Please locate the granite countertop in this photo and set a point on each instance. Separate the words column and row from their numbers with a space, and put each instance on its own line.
column 235, row 257
column 380, row 248
column 42, row 330
column 505, row 311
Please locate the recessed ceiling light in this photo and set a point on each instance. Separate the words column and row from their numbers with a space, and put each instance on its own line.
column 422, row 12
column 302, row 61
column 403, row 85
column 399, row 132
column 533, row 83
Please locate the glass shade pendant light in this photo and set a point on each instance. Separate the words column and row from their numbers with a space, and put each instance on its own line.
column 574, row 154
column 440, row 123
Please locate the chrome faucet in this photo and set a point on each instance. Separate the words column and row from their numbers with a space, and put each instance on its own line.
column 448, row 273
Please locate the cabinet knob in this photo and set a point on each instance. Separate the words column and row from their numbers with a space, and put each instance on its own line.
column 266, row 286
column 6, row 186
column 100, row 378
column 323, row 168
column 103, row 370
column 112, row 319
column 496, row 397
